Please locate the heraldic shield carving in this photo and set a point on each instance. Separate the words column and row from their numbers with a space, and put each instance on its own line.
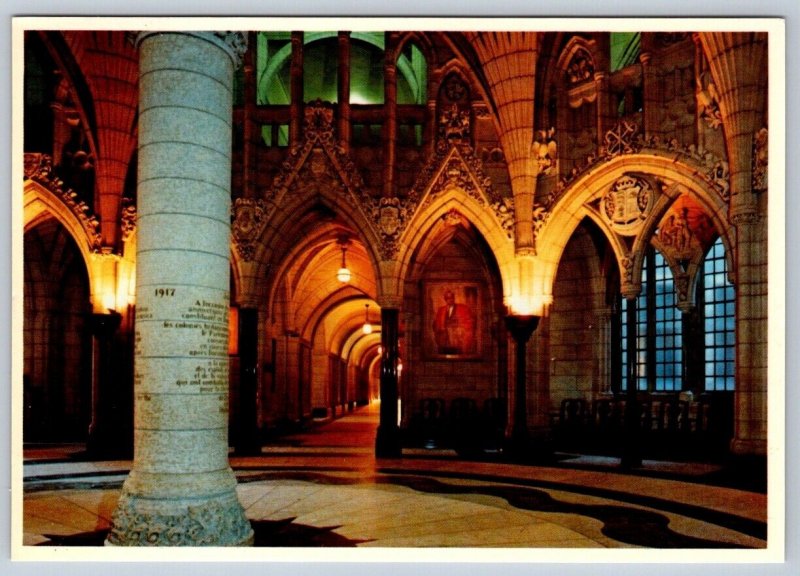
column 626, row 205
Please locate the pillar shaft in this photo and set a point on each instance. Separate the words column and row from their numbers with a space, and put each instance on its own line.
column 344, row 90
column 296, row 90
column 248, row 440
column 387, row 444
column 390, row 125
column 750, row 411
column 520, row 328
column 105, row 436
column 181, row 490
column 632, row 453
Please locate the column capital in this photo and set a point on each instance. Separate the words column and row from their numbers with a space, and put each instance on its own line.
column 388, row 301
column 233, row 43
column 631, row 291
column 521, row 326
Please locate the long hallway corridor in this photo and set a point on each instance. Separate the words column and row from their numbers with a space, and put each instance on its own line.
column 324, row 488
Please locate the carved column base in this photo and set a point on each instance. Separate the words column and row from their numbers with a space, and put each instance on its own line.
column 215, row 521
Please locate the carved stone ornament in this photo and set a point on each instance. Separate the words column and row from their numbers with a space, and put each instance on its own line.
column 621, row 139
column 128, row 219
column 682, row 287
column 213, row 523
column 236, row 43
column 545, row 151
column 629, row 289
column 320, row 149
column 453, row 218
column 39, row 168
column 459, row 167
column 540, row 217
column 626, row 205
column 676, row 236
column 318, row 121
column 249, row 220
column 713, row 170
column 390, row 216
column 708, row 102
column 580, row 68
column 760, row 160
column 455, row 89
column 454, row 126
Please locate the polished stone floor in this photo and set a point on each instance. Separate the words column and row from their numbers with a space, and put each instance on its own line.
column 324, row 488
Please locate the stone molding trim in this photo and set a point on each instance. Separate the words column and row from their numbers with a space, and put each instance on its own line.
column 39, row 169
column 625, row 139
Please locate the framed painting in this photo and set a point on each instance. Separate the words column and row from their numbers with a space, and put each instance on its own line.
column 452, row 320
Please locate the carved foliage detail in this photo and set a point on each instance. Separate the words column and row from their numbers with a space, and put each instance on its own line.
column 128, row 219
column 210, row 524
column 459, row 167
column 708, row 102
column 237, row 42
column 545, row 151
column 715, row 171
column 39, row 168
column 760, row 160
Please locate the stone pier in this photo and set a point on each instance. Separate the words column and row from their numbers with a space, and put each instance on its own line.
column 181, row 490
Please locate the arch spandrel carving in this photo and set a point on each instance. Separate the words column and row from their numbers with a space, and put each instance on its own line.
column 66, row 206
column 582, row 197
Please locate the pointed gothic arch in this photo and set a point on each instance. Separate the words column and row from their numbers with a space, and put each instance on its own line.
column 572, row 205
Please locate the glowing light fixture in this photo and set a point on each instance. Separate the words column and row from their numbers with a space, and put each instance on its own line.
column 109, row 301
column 367, row 327
column 343, row 275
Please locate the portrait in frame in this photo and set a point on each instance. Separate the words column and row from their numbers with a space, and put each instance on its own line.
column 452, row 320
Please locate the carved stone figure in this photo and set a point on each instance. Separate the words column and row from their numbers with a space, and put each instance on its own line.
column 545, row 151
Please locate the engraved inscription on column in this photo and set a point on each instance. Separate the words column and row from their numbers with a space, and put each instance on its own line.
column 193, row 338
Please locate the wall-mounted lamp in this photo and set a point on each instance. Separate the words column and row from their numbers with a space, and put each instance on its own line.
column 343, row 275
column 367, row 327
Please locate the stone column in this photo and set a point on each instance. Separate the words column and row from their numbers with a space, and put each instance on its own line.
column 104, row 436
column 602, row 348
column 603, row 102
column 181, row 490
column 387, row 444
column 248, row 441
column 651, row 111
column 390, row 122
column 521, row 328
column 750, row 409
column 345, row 127
column 632, row 449
column 296, row 90
column 250, row 132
